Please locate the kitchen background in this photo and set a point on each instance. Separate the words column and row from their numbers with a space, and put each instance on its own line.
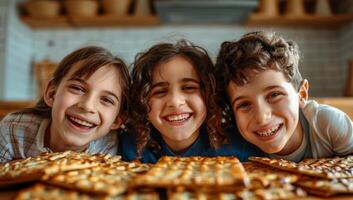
column 325, row 49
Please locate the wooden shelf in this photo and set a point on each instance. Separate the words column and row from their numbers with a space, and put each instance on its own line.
column 97, row 21
column 300, row 21
column 53, row 22
column 109, row 21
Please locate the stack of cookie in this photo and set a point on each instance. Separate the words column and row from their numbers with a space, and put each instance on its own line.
column 72, row 175
column 323, row 177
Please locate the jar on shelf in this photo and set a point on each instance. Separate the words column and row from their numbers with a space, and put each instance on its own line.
column 43, row 8
column 323, row 8
column 269, row 8
column 116, row 7
column 142, row 8
column 295, row 8
column 81, row 8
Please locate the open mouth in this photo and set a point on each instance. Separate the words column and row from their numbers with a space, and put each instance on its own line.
column 176, row 119
column 269, row 132
column 81, row 123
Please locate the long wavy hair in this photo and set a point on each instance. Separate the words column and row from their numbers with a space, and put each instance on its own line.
column 255, row 52
column 91, row 59
column 141, row 75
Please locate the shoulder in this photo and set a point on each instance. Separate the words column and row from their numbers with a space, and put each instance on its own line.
column 331, row 130
column 20, row 125
column 21, row 120
column 238, row 146
column 127, row 146
column 107, row 144
column 18, row 134
column 324, row 114
column 327, row 121
column 128, row 151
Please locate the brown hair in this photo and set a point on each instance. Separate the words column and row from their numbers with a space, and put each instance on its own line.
column 255, row 52
column 144, row 65
column 91, row 59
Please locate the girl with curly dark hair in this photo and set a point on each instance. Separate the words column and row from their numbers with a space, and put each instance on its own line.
column 174, row 110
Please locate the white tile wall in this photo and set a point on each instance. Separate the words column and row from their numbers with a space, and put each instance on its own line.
column 18, row 50
column 3, row 18
column 320, row 63
column 324, row 52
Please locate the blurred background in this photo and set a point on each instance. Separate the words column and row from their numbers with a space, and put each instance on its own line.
column 36, row 34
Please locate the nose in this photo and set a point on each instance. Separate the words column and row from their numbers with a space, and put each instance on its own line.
column 87, row 103
column 263, row 113
column 175, row 99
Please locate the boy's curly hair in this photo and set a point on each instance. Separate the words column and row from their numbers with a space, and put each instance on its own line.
column 255, row 52
column 141, row 75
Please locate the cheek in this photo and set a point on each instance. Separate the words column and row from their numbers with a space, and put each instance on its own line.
column 110, row 113
column 289, row 107
column 199, row 103
column 240, row 121
column 63, row 98
column 289, row 111
column 154, row 105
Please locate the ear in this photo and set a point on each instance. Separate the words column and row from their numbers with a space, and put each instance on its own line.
column 303, row 93
column 49, row 94
column 117, row 123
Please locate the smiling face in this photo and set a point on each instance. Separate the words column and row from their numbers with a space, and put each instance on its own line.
column 83, row 109
column 267, row 112
column 177, row 107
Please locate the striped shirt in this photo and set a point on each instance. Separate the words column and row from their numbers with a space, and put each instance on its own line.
column 22, row 136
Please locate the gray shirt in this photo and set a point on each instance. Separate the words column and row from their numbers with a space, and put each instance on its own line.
column 328, row 132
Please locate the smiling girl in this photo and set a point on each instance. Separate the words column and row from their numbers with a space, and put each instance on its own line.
column 173, row 106
column 83, row 103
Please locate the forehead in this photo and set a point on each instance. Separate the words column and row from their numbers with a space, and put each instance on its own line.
column 174, row 69
column 107, row 75
column 261, row 82
column 84, row 68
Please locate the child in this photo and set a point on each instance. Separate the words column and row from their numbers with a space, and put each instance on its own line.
column 84, row 100
column 269, row 99
column 173, row 107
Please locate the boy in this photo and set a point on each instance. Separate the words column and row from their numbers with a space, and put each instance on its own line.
column 259, row 75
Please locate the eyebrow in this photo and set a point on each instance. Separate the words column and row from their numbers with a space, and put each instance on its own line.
column 84, row 83
column 184, row 80
column 266, row 89
column 165, row 83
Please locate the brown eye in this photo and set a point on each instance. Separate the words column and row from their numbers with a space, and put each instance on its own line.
column 108, row 100
column 159, row 92
column 274, row 95
column 77, row 88
column 243, row 105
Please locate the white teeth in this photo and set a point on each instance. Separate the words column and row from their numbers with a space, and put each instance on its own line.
column 268, row 132
column 180, row 117
column 81, row 122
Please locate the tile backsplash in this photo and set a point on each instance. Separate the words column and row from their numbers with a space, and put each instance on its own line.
column 323, row 63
